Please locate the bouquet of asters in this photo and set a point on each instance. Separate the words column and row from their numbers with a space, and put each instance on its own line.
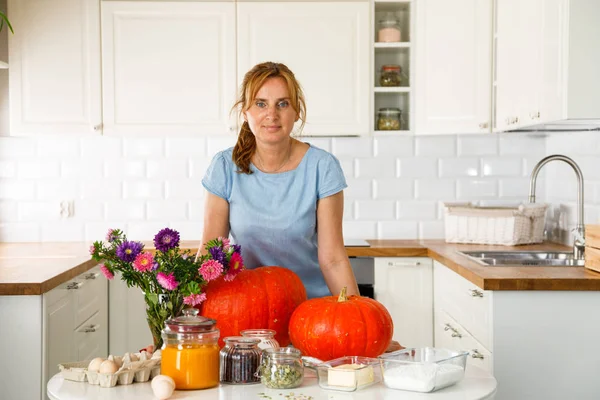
column 169, row 277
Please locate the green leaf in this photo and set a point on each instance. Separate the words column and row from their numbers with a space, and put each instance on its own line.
column 152, row 298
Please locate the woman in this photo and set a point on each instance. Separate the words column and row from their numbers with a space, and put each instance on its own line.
column 279, row 198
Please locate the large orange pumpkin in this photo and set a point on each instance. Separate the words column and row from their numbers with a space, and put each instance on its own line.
column 331, row 327
column 261, row 298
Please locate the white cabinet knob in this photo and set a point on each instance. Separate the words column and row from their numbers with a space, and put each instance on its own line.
column 484, row 125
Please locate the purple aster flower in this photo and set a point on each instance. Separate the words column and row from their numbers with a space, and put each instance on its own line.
column 166, row 239
column 237, row 248
column 128, row 251
column 218, row 255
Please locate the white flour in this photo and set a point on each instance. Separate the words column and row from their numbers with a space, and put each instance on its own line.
column 422, row 377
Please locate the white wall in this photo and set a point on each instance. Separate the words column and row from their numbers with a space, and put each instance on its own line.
column 396, row 184
column 4, row 77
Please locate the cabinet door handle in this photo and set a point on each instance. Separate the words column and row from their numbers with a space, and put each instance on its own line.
column 476, row 354
column 92, row 275
column 90, row 328
column 475, row 293
column 73, row 286
column 455, row 332
column 403, row 264
column 483, row 125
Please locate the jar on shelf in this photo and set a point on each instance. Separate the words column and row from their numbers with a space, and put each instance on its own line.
column 190, row 351
column 389, row 119
column 388, row 28
column 281, row 368
column 240, row 359
column 266, row 336
column 391, row 75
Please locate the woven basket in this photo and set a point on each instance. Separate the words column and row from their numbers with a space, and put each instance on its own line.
column 508, row 226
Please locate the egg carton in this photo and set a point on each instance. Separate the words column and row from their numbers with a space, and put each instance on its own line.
column 141, row 370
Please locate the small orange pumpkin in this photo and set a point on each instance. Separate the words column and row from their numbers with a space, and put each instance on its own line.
column 331, row 327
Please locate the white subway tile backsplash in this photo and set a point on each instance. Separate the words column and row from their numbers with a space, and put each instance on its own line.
column 198, row 167
column 196, row 210
column 35, row 169
column 520, row 144
column 393, row 189
column 181, row 148
column 17, row 147
column 477, row 189
column 376, row 168
column 459, row 167
column 186, row 189
column 349, row 210
column 97, row 230
column 375, row 210
column 59, row 146
column 438, row 146
column 435, row 189
column 419, row 167
column 431, row 230
column 31, row 211
column 12, row 189
column 397, row 230
column 596, row 193
column 413, row 210
column 102, row 189
column 20, row 232
column 348, row 168
column 167, row 210
column 149, row 190
column 343, row 147
column 8, row 168
column 143, row 147
column 574, row 143
column 167, row 168
column 144, row 230
column 119, row 168
column 322, row 143
column 9, row 211
column 394, row 146
column 502, row 166
column 88, row 210
column 216, row 144
column 59, row 231
column 126, row 210
column 519, row 188
column 101, row 146
column 80, row 169
column 188, row 230
column 476, row 145
column 359, row 189
column 360, row 229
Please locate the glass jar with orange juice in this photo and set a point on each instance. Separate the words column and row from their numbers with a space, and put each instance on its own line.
column 190, row 353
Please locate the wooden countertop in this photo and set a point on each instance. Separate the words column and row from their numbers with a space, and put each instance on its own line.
column 36, row 268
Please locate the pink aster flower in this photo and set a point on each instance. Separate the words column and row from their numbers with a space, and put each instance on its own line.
column 92, row 249
column 194, row 299
column 210, row 270
column 143, row 262
column 106, row 272
column 167, row 281
column 225, row 242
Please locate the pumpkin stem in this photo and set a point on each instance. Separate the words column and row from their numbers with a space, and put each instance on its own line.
column 343, row 297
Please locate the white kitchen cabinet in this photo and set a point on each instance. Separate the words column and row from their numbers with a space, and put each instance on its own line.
column 168, row 68
column 453, row 62
column 55, row 79
column 326, row 45
column 405, row 287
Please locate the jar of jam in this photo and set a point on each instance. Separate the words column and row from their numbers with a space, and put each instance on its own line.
column 391, row 75
column 389, row 119
column 240, row 359
column 281, row 368
column 190, row 352
column 266, row 336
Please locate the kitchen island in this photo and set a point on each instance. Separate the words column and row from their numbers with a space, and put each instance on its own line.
column 477, row 384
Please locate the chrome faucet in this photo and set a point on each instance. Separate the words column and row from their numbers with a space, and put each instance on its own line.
column 579, row 241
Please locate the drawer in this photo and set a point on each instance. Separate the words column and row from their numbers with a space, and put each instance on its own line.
column 91, row 294
column 465, row 302
column 450, row 334
column 91, row 338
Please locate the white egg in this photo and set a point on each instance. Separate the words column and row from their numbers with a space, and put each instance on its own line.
column 94, row 365
column 118, row 360
column 163, row 386
column 108, row 367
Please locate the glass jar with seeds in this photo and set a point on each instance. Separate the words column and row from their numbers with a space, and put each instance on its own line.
column 389, row 119
column 281, row 368
column 240, row 359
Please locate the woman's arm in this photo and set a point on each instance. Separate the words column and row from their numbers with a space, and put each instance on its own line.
column 332, row 253
column 216, row 220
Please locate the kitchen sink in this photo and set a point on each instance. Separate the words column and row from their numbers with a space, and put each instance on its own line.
column 524, row 258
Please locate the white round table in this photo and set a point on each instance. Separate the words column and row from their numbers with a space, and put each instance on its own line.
column 477, row 384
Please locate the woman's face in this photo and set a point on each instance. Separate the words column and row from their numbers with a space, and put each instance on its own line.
column 271, row 116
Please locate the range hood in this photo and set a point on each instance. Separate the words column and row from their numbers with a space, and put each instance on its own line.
column 582, row 61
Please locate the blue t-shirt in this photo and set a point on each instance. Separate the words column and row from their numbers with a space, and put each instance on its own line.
column 274, row 216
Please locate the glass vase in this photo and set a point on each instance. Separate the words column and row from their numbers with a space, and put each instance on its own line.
column 159, row 308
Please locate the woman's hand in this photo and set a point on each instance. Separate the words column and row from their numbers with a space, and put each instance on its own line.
column 394, row 346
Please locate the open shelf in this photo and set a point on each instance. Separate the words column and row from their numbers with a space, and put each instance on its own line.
column 391, row 89
column 392, row 45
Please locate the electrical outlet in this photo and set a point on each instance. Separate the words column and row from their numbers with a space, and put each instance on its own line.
column 66, row 209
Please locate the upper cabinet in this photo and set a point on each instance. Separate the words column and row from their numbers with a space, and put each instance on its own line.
column 54, row 80
column 454, row 59
column 326, row 46
column 168, row 68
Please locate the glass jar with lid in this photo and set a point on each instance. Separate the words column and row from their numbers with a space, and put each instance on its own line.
column 391, row 75
column 388, row 28
column 266, row 336
column 389, row 119
column 190, row 352
column 281, row 368
column 240, row 359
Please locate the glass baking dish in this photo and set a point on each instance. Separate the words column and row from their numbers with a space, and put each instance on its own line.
column 424, row 369
column 349, row 373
